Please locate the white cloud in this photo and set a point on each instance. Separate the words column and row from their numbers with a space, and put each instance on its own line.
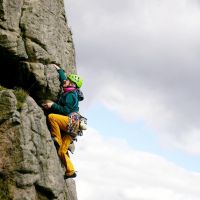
column 144, row 57
column 110, row 169
column 172, row 127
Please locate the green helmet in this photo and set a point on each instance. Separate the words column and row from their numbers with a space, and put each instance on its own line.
column 76, row 79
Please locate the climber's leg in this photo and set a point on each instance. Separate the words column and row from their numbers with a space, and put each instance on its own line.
column 57, row 123
column 66, row 141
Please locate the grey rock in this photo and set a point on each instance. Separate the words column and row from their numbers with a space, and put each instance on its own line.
column 34, row 34
column 29, row 159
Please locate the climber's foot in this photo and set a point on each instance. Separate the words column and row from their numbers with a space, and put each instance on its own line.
column 70, row 176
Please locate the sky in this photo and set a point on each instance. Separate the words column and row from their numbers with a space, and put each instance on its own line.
column 140, row 63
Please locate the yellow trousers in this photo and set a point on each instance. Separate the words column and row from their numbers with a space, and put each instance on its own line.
column 57, row 124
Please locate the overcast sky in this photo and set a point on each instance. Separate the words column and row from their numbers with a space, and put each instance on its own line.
column 111, row 170
column 140, row 59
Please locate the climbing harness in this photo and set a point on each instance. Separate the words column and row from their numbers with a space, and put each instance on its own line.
column 77, row 123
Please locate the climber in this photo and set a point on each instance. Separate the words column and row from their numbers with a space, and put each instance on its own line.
column 59, row 117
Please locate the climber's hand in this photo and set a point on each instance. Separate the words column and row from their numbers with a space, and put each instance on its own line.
column 56, row 66
column 47, row 105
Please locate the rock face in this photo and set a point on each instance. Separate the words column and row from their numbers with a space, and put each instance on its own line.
column 33, row 35
column 29, row 166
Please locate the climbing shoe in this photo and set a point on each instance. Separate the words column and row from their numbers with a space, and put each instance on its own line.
column 71, row 176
